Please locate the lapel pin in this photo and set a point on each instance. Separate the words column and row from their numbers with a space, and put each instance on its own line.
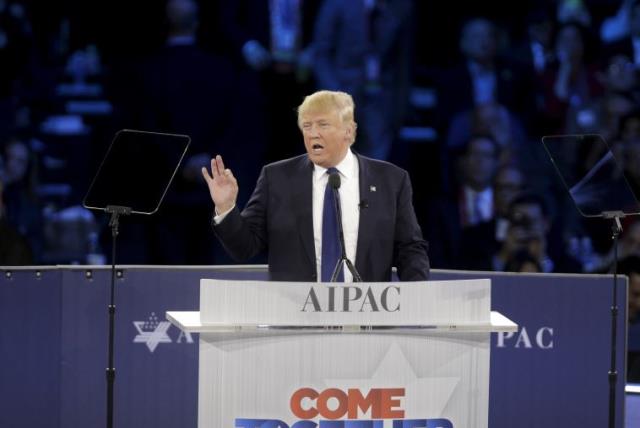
column 372, row 188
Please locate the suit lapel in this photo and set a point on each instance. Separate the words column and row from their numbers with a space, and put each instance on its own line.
column 365, row 224
column 303, row 191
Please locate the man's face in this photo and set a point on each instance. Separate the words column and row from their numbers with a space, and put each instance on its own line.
column 480, row 163
column 508, row 183
column 326, row 137
column 17, row 162
column 621, row 75
column 479, row 41
column 530, row 218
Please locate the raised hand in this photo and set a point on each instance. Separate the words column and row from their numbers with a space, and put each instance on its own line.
column 223, row 186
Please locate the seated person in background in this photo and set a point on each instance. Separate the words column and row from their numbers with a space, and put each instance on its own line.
column 460, row 225
column 507, row 185
column 602, row 114
column 488, row 119
column 477, row 169
column 287, row 215
column 484, row 76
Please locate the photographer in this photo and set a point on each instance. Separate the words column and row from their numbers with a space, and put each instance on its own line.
column 528, row 233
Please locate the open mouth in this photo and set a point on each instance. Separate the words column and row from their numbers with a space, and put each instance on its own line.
column 317, row 147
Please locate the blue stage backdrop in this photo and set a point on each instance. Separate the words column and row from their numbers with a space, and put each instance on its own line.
column 53, row 347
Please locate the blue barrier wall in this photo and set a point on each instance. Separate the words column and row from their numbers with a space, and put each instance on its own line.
column 53, row 347
column 30, row 361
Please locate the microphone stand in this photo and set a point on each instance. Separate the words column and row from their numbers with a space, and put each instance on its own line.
column 616, row 228
column 343, row 257
column 115, row 211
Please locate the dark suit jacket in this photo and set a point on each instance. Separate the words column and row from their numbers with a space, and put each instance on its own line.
column 454, row 246
column 278, row 218
column 14, row 249
column 514, row 89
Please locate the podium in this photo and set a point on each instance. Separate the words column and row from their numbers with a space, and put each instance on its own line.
column 374, row 355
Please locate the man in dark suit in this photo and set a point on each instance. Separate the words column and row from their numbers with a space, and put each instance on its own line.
column 285, row 214
column 484, row 76
column 363, row 47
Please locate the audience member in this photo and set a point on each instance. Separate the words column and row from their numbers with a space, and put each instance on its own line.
column 484, row 76
column 536, row 51
column 508, row 184
column 460, row 226
column 603, row 114
column 270, row 40
column 572, row 82
column 363, row 48
column 489, row 119
column 529, row 230
column 22, row 206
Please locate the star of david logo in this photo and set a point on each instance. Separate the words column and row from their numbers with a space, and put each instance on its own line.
column 152, row 332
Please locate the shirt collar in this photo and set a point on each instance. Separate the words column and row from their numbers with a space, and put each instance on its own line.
column 475, row 69
column 486, row 193
column 346, row 167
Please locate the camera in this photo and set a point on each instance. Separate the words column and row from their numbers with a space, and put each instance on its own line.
column 519, row 219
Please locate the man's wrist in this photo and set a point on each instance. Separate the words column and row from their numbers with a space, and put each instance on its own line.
column 220, row 213
column 224, row 209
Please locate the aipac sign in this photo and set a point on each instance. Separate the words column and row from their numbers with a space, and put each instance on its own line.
column 337, row 408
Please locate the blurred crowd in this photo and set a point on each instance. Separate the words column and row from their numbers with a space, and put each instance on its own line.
column 458, row 96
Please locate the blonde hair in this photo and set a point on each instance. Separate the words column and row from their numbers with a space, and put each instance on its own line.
column 326, row 101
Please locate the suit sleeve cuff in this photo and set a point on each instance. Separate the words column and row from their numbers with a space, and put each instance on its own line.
column 217, row 219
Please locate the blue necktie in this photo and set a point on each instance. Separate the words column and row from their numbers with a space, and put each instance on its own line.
column 330, row 245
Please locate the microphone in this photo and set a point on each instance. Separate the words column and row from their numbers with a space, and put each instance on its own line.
column 334, row 182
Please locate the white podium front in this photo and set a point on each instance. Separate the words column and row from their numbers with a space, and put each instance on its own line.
column 367, row 355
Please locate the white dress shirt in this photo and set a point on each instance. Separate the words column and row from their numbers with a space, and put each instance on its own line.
column 349, row 202
column 478, row 205
column 484, row 84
